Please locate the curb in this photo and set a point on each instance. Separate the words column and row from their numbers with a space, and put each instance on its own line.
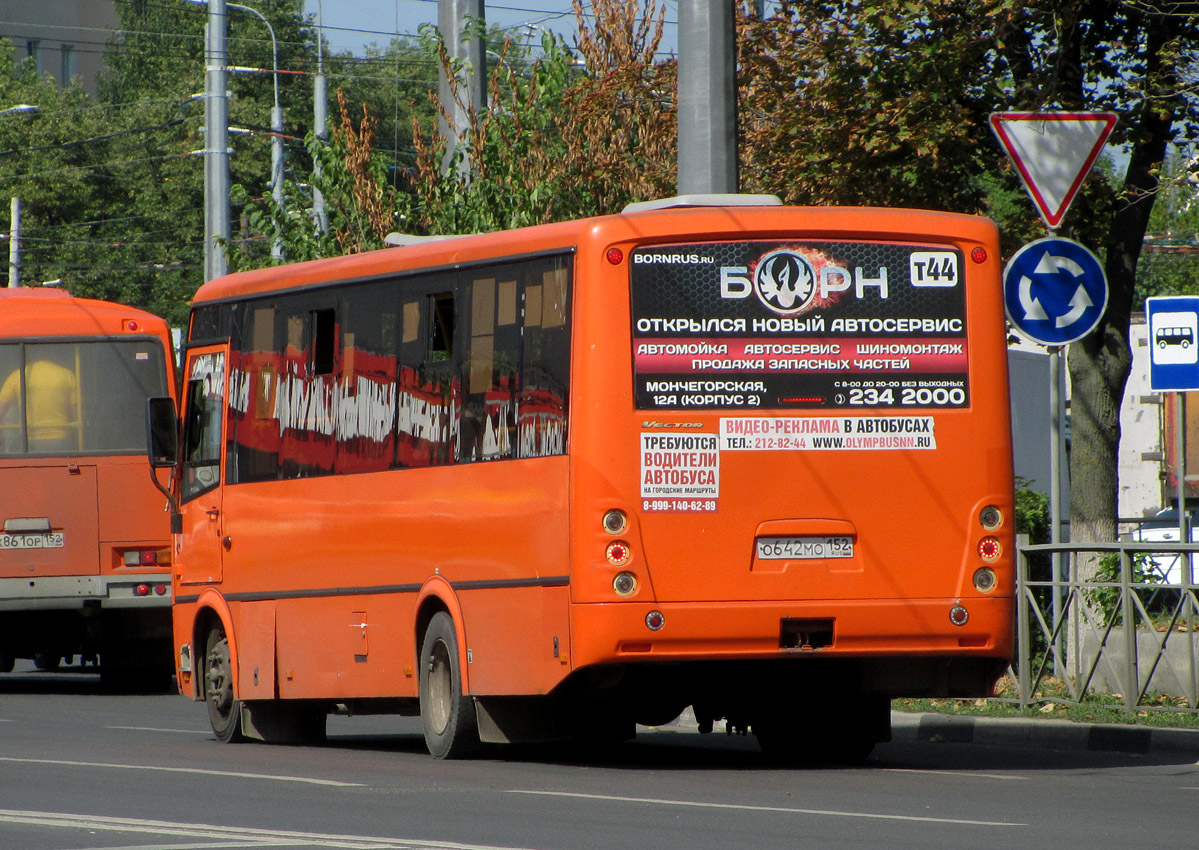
column 1048, row 734
column 927, row 727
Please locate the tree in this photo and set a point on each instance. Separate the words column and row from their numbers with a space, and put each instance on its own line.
column 883, row 101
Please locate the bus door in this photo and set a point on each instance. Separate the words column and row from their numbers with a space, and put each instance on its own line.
column 200, row 493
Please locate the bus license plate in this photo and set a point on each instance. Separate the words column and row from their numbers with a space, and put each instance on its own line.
column 49, row 540
column 801, row 548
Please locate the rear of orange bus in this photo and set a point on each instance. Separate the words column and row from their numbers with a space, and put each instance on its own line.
column 792, row 488
column 85, row 541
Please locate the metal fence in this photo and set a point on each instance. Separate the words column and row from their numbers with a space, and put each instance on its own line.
column 1114, row 619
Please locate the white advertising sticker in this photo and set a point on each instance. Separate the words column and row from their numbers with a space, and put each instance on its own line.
column 679, row 472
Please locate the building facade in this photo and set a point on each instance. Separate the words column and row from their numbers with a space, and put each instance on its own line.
column 65, row 39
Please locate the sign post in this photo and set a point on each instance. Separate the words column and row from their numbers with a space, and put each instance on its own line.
column 1174, row 367
column 1052, row 153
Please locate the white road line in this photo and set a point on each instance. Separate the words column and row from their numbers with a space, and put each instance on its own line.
column 967, row 774
column 153, row 729
column 194, row 770
column 779, row 809
column 227, row 836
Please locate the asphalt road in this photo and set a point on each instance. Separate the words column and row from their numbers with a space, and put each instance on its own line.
column 83, row 769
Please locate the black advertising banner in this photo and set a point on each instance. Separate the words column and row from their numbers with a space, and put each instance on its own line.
column 799, row 324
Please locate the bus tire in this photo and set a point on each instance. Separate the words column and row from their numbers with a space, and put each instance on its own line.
column 224, row 710
column 447, row 714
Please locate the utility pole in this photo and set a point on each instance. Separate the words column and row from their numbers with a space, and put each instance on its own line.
column 453, row 17
column 707, row 148
column 14, row 244
column 216, row 142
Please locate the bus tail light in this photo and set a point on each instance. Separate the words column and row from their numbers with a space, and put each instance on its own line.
column 615, row 521
column 958, row 615
column 625, row 584
column 990, row 517
column 989, row 549
column 146, row 589
column 146, row 557
column 985, row 579
column 618, row 553
column 655, row 620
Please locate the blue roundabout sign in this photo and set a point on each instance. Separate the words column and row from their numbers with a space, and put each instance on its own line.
column 1054, row 290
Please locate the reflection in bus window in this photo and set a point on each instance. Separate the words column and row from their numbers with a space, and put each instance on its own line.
column 202, row 429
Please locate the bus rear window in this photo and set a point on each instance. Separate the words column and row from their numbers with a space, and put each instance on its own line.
column 799, row 324
column 78, row 397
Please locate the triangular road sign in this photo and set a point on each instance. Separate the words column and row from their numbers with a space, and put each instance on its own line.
column 1053, row 151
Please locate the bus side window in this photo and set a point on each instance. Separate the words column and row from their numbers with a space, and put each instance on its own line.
column 439, row 375
column 541, row 413
column 202, row 426
column 489, row 405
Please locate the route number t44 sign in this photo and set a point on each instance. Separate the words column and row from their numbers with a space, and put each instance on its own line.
column 1053, row 151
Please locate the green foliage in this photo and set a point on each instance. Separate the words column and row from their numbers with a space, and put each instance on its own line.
column 1107, row 598
column 1032, row 513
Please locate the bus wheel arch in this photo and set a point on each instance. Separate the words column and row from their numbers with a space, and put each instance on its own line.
column 215, row 662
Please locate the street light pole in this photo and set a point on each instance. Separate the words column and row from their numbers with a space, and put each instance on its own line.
column 276, row 182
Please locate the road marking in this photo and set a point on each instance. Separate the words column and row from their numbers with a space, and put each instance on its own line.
column 230, row 836
column 969, row 774
column 779, row 809
column 195, row 770
column 154, row 729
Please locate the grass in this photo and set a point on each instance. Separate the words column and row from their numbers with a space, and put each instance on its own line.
column 1054, row 701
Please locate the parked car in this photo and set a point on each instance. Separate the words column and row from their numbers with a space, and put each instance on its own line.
column 1163, row 527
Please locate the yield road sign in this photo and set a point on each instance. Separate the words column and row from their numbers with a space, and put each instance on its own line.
column 1052, row 152
column 1173, row 342
column 1054, row 290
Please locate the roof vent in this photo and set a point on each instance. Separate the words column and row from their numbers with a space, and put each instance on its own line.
column 403, row 239
column 729, row 200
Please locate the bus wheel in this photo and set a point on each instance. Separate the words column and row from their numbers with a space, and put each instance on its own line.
column 447, row 715
column 224, row 712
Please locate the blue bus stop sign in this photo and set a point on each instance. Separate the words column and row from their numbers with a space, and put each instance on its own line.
column 1054, row 290
column 1173, row 342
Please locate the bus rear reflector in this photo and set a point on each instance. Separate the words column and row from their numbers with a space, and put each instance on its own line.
column 615, row 256
column 141, row 590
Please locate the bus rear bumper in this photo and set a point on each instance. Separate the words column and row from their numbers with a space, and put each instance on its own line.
column 67, row 592
column 621, row 632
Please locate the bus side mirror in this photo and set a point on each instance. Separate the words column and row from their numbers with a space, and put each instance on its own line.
column 162, row 431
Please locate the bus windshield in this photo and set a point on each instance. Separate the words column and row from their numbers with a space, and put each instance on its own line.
column 77, row 397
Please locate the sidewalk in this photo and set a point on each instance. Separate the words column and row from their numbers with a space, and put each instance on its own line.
column 1050, row 734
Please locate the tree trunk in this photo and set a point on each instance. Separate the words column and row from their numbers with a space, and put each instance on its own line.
column 1100, row 362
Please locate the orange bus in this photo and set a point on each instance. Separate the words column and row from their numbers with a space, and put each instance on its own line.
column 85, row 543
column 712, row 452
